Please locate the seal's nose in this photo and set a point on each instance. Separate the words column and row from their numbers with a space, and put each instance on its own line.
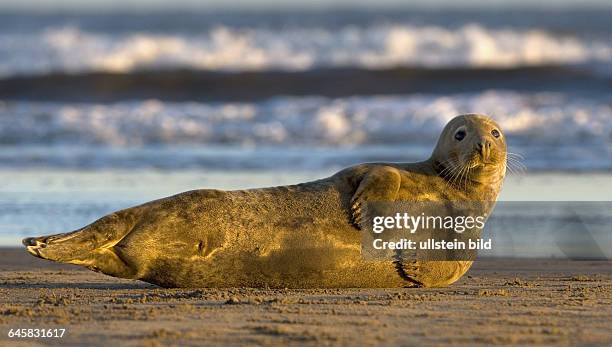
column 484, row 147
column 484, row 144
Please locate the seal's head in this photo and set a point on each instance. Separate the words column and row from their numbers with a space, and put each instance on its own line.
column 471, row 147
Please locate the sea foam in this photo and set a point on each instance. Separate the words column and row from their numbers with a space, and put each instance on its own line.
column 70, row 49
column 538, row 118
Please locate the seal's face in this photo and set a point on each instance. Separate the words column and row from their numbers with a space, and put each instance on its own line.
column 472, row 147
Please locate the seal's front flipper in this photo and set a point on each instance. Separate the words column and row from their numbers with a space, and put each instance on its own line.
column 380, row 184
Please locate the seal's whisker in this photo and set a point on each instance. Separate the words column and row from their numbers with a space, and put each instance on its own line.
column 450, row 169
column 449, row 174
column 446, row 169
column 515, row 162
column 468, row 174
column 515, row 166
column 446, row 163
column 452, row 174
column 461, row 175
column 448, row 177
column 467, row 177
column 517, row 155
column 511, row 171
column 457, row 175
column 508, row 168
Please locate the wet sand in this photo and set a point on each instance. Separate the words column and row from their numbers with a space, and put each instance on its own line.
column 499, row 302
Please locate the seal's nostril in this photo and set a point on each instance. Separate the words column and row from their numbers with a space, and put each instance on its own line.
column 483, row 145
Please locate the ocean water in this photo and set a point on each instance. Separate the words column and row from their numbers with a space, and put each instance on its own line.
column 103, row 111
column 38, row 44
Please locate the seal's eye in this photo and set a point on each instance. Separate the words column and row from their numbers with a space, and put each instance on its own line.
column 460, row 135
column 495, row 133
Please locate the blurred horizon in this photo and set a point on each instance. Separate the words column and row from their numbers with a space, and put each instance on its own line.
column 272, row 5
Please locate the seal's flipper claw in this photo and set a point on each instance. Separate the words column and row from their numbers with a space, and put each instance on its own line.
column 34, row 245
column 28, row 241
column 380, row 184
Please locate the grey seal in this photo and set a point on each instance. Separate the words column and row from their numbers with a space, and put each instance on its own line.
column 298, row 236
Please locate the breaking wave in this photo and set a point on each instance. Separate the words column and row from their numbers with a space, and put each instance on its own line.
column 369, row 120
column 70, row 49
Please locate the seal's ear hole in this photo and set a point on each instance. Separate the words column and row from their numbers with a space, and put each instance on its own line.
column 460, row 134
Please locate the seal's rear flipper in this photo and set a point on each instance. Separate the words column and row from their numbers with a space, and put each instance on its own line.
column 91, row 246
column 60, row 247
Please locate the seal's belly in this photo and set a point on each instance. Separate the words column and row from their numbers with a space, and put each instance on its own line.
column 280, row 237
column 308, row 255
column 271, row 272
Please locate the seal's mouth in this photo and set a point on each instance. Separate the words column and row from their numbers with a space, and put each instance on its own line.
column 476, row 159
column 481, row 164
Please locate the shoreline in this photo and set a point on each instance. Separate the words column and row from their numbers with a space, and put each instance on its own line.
column 545, row 301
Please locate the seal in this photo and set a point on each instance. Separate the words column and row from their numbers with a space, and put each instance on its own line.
column 297, row 236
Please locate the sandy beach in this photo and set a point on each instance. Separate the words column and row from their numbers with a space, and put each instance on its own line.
column 499, row 302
